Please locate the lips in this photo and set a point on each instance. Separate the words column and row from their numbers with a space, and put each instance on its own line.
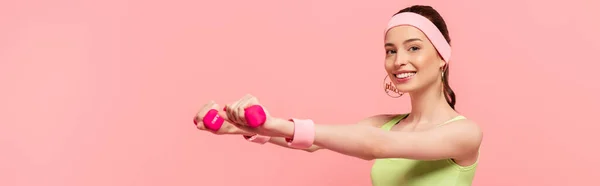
column 404, row 76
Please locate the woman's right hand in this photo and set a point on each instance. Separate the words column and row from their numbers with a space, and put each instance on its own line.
column 227, row 128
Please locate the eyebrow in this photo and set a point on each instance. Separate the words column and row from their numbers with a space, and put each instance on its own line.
column 406, row 41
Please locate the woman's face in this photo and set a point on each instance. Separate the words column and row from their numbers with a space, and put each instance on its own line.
column 411, row 61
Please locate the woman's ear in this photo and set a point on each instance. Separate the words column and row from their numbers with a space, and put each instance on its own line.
column 442, row 64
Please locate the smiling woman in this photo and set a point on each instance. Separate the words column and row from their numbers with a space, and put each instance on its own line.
column 431, row 145
column 411, row 24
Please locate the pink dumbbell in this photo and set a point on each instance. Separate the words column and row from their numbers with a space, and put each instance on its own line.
column 255, row 116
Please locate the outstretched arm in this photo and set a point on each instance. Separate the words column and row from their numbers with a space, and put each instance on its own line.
column 373, row 121
column 229, row 128
column 453, row 140
column 456, row 140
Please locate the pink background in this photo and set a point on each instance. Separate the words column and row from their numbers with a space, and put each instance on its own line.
column 103, row 93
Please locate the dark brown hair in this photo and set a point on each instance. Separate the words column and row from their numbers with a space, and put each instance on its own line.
column 438, row 21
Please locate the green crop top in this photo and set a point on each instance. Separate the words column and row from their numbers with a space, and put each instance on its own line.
column 401, row 172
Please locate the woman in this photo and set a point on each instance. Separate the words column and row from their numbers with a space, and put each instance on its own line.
column 431, row 145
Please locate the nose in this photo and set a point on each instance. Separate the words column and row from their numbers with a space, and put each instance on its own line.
column 400, row 60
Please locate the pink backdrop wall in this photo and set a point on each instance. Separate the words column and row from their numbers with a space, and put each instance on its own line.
column 103, row 92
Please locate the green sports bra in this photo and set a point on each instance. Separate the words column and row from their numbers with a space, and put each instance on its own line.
column 400, row 172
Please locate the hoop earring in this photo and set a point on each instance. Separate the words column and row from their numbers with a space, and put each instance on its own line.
column 390, row 89
column 444, row 68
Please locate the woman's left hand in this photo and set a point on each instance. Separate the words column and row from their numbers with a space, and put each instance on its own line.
column 273, row 127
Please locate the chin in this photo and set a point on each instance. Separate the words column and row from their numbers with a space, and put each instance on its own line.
column 406, row 86
column 405, row 89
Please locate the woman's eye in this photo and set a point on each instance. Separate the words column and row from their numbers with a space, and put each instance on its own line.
column 390, row 52
column 413, row 48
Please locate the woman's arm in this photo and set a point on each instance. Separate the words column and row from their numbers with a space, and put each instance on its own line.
column 373, row 121
column 454, row 140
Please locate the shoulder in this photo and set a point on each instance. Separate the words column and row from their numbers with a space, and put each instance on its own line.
column 378, row 120
column 466, row 133
column 466, row 126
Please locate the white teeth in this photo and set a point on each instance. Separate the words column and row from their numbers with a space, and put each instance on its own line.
column 405, row 75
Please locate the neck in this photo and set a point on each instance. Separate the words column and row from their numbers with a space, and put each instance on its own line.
column 429, row 105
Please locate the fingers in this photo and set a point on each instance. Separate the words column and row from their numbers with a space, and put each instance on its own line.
column 240, row 114
column 227, row 120
column 223, row 114
column 231, row 112
column 212, row 110
column 198, row 118
column 234, row 113
column 252, row 101
column 229, row 127
column 240, row 109
column 237, row 110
